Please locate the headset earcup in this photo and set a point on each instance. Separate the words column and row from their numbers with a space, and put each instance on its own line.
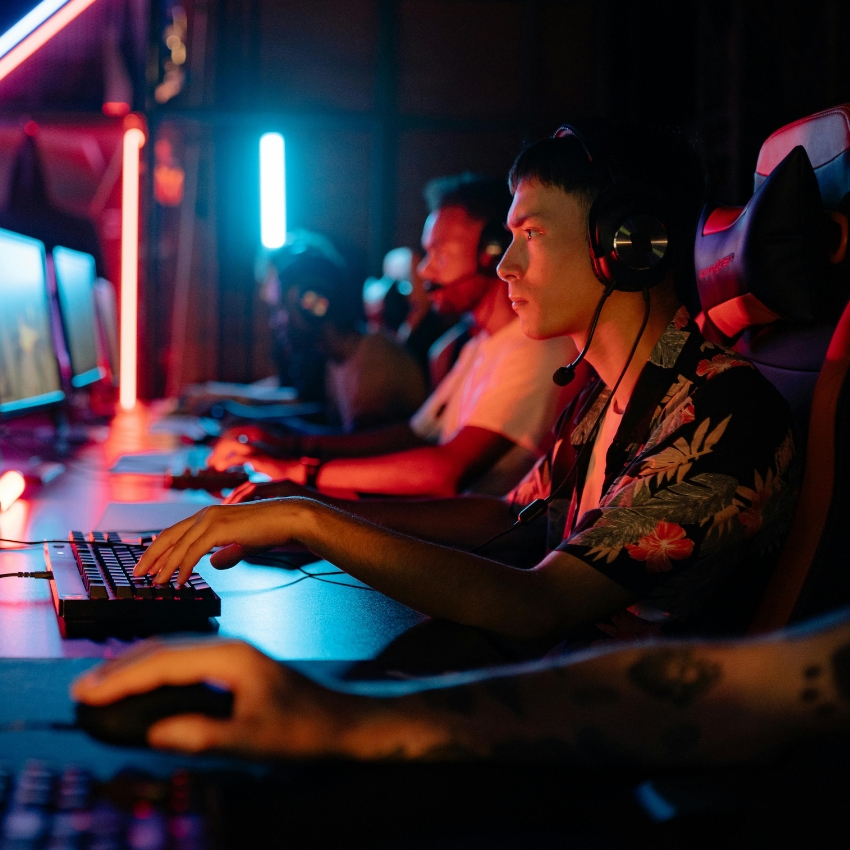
column 492, row 244
column 630, row 246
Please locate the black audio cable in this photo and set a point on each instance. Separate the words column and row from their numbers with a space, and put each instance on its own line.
column 538, row 507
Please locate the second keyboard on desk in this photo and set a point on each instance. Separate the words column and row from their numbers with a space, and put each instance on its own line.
column 96, row 594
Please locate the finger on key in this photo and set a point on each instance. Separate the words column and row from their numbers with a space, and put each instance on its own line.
column 162, row 543
column 176, row 557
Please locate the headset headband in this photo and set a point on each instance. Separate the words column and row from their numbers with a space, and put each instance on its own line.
column 591, row 142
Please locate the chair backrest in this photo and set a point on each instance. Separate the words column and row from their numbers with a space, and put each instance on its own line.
column 800, row 348
column 765, row 281
column 813, row 574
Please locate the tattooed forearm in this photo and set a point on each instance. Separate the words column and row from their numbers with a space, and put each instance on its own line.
column 841, row 671
column 677, row 676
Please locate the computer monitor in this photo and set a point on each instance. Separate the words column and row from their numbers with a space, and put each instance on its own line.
column 107, row 314
column 75, row 279
column 29, row 372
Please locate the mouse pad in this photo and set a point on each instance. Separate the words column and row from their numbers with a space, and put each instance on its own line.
column 36, row 691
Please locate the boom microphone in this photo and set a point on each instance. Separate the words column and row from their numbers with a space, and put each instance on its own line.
column 565, row 374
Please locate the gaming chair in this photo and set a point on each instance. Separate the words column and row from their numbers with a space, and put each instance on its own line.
column 774, row 278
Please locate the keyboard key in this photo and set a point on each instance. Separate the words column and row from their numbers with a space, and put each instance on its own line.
column 97, row 590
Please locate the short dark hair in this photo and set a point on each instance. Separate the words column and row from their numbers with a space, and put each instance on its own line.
column 663, row 158
column 482, row 198
column 310, row 262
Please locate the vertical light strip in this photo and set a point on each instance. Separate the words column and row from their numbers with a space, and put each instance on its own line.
column 12, row 486
column 272, row 190
column 28, row 23
column 44, row 33
column 134, row 138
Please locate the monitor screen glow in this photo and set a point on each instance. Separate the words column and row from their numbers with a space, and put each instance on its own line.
column 29, row 372
column 75, row 277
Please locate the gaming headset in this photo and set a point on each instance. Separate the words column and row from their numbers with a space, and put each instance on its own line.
column 631, row 247
column 492, row 244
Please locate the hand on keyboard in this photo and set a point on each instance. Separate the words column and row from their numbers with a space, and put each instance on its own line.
column 241, row 529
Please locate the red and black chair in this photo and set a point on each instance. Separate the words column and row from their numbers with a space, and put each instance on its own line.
column 774, row 279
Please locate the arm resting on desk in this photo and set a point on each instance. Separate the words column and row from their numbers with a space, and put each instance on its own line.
column 551, row 599
column 426, row 470
column 652, row 704
column 235, row 445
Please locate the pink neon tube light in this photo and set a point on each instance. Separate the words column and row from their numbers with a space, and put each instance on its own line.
column 134, row 138
column 44, row 33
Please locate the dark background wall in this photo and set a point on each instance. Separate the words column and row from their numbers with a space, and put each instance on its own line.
column 375, row 97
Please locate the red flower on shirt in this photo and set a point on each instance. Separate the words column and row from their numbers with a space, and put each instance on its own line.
column 751, row 517
column 681, row 319
column 719, row 363
column 667, row 540
column 688, row 412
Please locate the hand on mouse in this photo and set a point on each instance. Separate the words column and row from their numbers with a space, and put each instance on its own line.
column 241, row 529
column 276, row 712
column 229, row 453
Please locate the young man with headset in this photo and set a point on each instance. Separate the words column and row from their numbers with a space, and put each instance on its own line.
column 667, row 494
column 486, row 423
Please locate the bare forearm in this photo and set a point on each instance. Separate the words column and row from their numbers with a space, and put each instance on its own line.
column 438, row 581
column 461, row 521
column 670, row 703
column 364, row 444
column 425, row 471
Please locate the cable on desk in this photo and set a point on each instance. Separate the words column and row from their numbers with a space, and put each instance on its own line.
column 318, row 577
column 105, row 544
column 43, row 574
column 29, row 542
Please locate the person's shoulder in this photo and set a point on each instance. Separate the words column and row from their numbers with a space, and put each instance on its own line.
column 378, row 344
column 725, row 379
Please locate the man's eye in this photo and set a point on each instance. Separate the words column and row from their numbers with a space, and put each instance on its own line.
column 530, row 234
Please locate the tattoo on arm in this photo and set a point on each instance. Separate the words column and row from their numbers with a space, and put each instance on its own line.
column 676, row 676
column 841, row 671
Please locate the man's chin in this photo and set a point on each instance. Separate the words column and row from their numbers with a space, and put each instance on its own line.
column 532, row 329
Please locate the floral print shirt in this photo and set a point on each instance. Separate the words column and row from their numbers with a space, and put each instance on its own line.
column 699, row 490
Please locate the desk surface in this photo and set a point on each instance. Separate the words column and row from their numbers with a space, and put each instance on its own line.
column 283, row 612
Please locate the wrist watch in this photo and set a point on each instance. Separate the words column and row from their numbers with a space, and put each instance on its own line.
column 311, row 465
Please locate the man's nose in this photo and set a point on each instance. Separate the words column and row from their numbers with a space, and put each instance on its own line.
column 509, row 266
column 424, row 266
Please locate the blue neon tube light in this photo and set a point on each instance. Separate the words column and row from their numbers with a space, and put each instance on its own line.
column 31, row 21
column 272, row 190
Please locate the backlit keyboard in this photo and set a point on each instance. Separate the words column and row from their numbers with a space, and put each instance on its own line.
column 95, row 592
column 41, row 807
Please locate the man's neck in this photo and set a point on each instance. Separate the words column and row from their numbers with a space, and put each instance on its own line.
column 615, row 335
column 494, row 311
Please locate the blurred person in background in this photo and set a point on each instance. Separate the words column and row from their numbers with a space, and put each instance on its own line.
column 368, row 378
column 486, row 423
column 398, row 302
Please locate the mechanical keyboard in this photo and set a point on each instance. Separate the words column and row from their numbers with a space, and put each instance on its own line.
column 41, row 807
column 95, row 593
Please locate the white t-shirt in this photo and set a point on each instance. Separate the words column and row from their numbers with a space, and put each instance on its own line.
column 592, row 491
column 379, row 384
column 502, row 383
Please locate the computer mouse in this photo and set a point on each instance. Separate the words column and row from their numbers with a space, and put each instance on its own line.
column 126, row 721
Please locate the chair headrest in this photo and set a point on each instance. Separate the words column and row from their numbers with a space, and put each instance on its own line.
column 826, row 138
column 769, row 259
